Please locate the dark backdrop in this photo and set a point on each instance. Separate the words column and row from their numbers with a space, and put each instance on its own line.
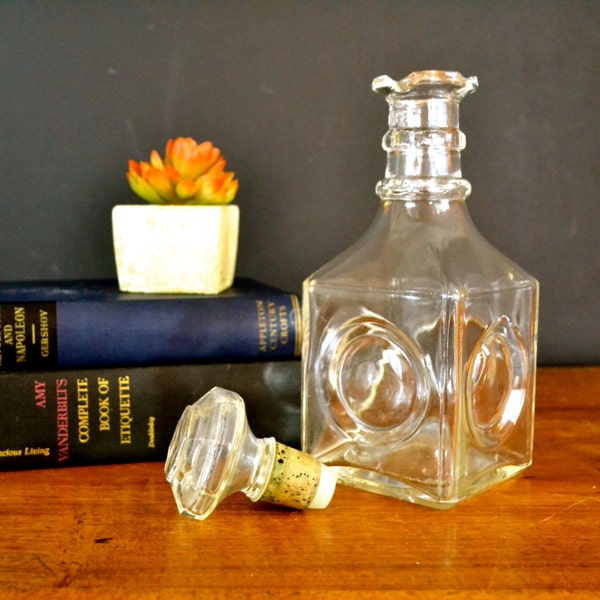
column 283, row 88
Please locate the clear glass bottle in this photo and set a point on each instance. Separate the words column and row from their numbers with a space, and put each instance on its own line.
column 420, row 339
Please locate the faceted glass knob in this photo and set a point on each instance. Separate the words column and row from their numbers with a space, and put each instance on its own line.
column 213, row 454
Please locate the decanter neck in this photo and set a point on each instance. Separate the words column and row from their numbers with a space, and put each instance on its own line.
column 424, row 142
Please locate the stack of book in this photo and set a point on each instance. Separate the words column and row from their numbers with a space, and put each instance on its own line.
column 90, row 375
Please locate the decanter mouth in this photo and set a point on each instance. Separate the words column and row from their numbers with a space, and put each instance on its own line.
column 424, row 140
column 427, row 82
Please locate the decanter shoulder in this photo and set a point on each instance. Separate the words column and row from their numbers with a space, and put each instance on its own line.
column 428, row 255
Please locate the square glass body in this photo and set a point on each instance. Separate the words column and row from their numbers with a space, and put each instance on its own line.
column 419, row 357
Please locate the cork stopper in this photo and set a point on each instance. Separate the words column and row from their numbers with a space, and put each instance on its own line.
column 213, row 454
column 298, row 480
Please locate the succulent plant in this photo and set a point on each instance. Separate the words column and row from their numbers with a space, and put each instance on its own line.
column 189, row 174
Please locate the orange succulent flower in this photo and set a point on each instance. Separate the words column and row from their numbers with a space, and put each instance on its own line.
column 190, row 173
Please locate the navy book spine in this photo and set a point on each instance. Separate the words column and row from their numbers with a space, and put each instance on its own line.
column 64, row 418
column 53, row 325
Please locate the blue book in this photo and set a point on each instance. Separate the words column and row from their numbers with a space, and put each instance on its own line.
column 90, row 323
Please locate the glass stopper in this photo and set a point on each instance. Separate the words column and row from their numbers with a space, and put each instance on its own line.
column 213, row 454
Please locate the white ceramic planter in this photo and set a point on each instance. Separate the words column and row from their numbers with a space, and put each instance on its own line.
column 175, row 249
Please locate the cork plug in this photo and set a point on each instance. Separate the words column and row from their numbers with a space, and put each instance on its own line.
column 213, row 454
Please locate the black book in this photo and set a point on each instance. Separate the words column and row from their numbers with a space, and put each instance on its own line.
column 98, row 416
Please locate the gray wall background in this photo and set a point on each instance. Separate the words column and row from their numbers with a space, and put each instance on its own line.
column 283, row 88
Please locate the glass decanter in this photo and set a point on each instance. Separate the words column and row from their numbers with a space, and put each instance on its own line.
column 420, row 340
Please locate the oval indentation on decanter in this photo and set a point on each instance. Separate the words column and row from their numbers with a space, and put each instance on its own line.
column 377, row 384
column 496, row 383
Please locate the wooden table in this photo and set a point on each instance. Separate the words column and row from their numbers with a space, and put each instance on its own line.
column 113, row 532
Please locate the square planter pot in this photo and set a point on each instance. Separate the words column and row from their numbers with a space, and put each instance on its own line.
column 175, row 249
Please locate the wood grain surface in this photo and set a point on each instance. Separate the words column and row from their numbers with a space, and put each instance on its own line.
column 114, row 532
